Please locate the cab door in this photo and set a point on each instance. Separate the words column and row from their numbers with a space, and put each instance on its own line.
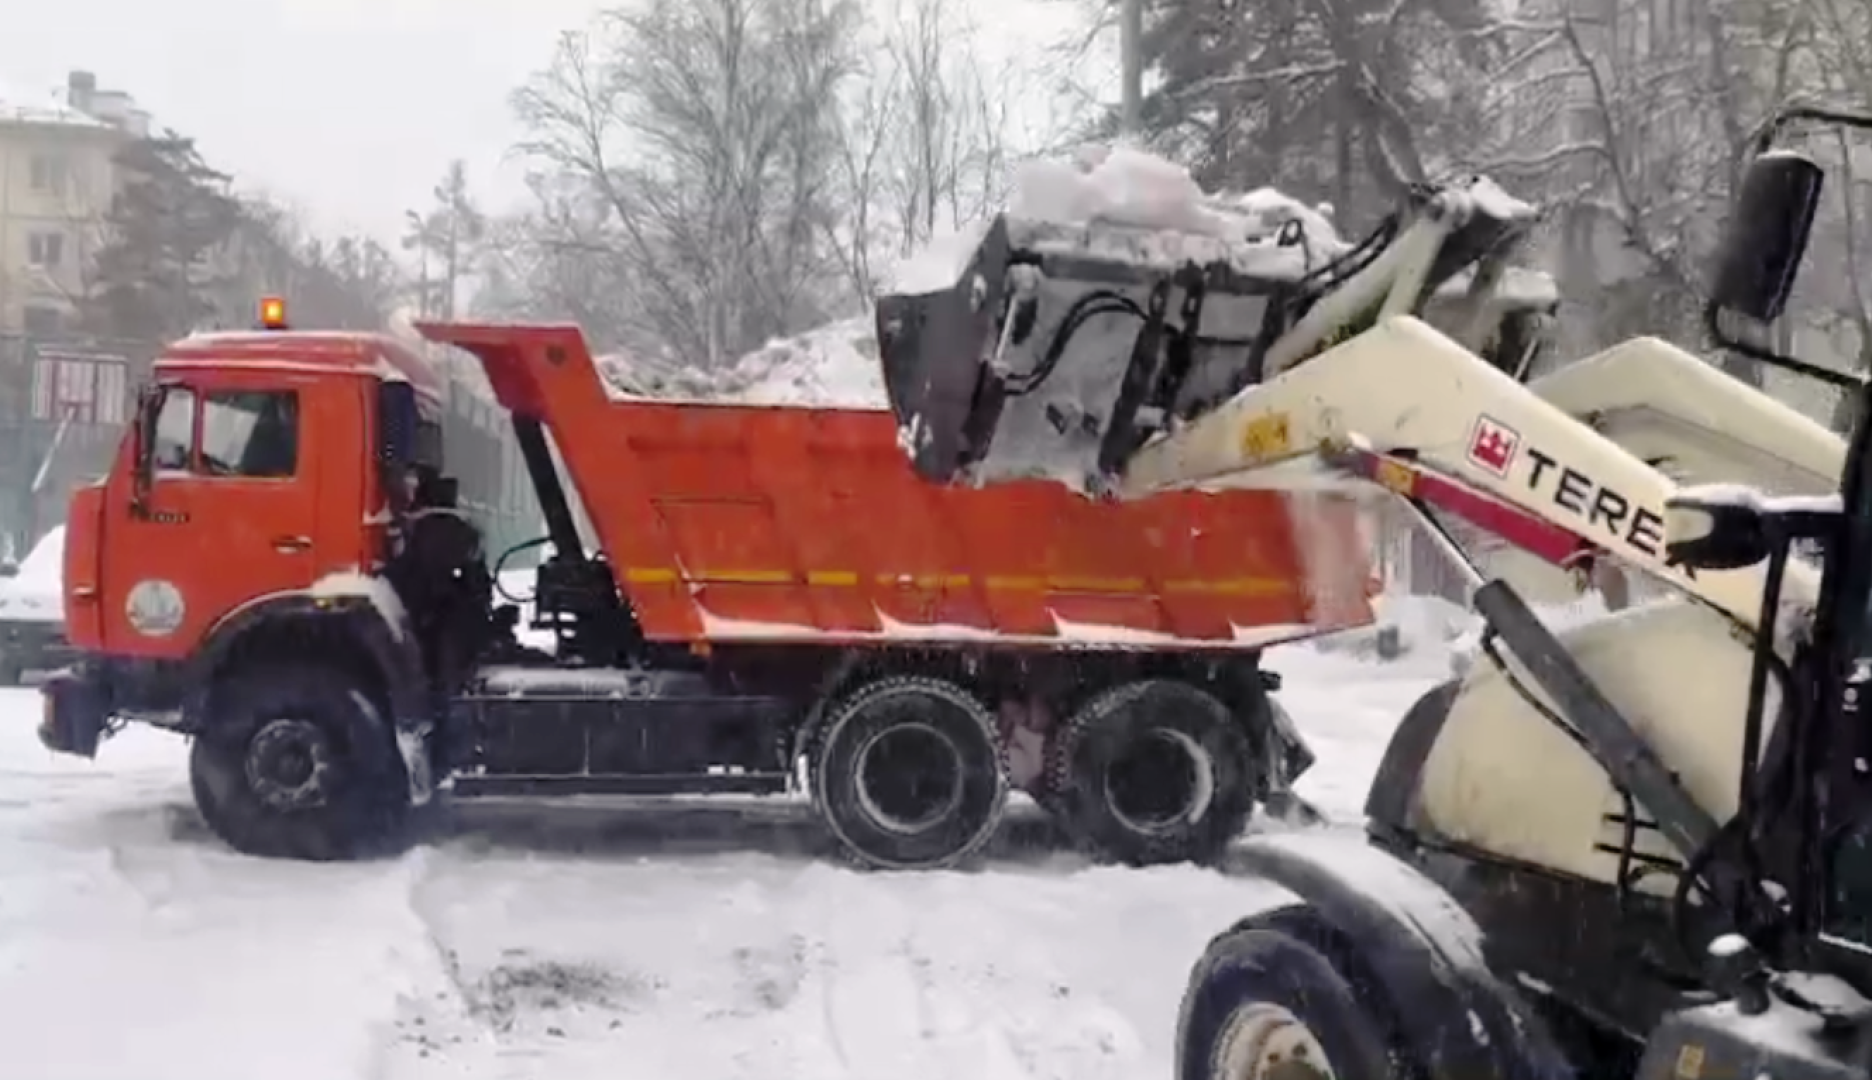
column 230, row 514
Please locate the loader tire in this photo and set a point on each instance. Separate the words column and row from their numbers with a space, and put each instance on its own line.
column 295, row 762
column 907, row 773
column 1264, row 1003
column 1153, row 772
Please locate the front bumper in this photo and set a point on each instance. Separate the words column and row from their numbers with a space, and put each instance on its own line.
column 76, row 711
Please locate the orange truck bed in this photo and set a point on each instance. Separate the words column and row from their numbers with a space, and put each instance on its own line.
column 777, row 523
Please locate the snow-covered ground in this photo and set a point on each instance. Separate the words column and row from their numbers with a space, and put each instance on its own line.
column 675, row 939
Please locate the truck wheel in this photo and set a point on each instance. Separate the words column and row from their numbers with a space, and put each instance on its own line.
column 1153, row 772
column 907, row 773
column 12, row 671
column 297, row 763
column 1263, row 1004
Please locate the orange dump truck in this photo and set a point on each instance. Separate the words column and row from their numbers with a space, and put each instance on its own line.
column 754, row 600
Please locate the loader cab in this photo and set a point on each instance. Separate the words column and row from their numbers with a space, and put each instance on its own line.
column 1821, row 792
column 258, row 463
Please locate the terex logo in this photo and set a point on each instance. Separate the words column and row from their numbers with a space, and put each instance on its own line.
column 1492, row 445
column 1600, row 508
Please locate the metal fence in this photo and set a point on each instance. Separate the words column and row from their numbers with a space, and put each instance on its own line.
column 63, row 403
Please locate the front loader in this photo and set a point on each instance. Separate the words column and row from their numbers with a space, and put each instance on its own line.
column 1639, row 848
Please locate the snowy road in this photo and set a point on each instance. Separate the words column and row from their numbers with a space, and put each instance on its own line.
column 575, row 941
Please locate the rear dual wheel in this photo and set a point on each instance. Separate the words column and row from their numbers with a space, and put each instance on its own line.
column 1157, row 771
column 907, row 773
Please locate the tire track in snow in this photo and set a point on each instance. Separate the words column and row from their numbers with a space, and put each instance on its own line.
column 873, row 1005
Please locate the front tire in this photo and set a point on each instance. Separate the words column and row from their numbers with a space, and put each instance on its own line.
column 296, row 762
column 1265, row 1003
column 907, row 774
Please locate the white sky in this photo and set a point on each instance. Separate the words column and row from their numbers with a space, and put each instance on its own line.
column 346, row 110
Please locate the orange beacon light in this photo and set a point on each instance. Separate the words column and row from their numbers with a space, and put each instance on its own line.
column 273, row 313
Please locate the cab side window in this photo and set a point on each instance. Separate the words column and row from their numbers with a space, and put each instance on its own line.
column 250, row 433
column 175, row 429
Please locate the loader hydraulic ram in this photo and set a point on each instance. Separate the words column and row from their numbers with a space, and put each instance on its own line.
column 1639, row 849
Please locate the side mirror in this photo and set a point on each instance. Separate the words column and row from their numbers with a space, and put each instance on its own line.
column 1766, row 237
column 9, row 568
column 1715, row 527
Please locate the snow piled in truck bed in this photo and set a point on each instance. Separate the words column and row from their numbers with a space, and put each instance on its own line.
column 833, row 365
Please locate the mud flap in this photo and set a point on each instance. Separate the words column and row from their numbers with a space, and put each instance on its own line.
column 413, row 743
column 1421, row 948
column 1288, row 757
column 76, row 713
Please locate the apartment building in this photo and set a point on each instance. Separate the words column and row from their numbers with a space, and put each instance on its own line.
column 56, row 182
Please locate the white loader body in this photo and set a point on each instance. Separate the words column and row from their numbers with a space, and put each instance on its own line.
column 1500, row 777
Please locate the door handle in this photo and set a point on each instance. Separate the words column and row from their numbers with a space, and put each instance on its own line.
column 290, row 545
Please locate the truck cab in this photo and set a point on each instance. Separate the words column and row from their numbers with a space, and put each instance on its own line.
column 263, row 468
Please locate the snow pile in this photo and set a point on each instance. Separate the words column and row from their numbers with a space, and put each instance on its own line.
column 634, row 377
column 1123, row 204
column 36, row 593
column 43, row 570
column 937, row 265
column 1128, row 187
column 834, row 365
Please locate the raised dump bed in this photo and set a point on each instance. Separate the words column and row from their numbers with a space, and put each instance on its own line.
column 732, row 522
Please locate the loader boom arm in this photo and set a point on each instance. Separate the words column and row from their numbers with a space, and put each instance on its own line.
column 1408, row 393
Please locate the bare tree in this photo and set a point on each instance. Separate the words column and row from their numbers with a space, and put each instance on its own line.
column 927, row 138
column 448, row 231
column 705, row 133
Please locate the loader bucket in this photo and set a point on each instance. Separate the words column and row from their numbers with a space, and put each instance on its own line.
column 1058, row 350
column 934, row 348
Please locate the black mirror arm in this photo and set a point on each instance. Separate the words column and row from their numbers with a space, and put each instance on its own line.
column 1712, row 320
column 1785, row 118
column 143, row 453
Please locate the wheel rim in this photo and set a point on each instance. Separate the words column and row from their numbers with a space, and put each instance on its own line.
column 289, row 764
column 1267, row 1042
column 909, row 777
column 1163, row 779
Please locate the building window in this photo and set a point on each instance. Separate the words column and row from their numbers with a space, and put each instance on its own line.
column 250, row 433
column 48, row 174
column 45, row 250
